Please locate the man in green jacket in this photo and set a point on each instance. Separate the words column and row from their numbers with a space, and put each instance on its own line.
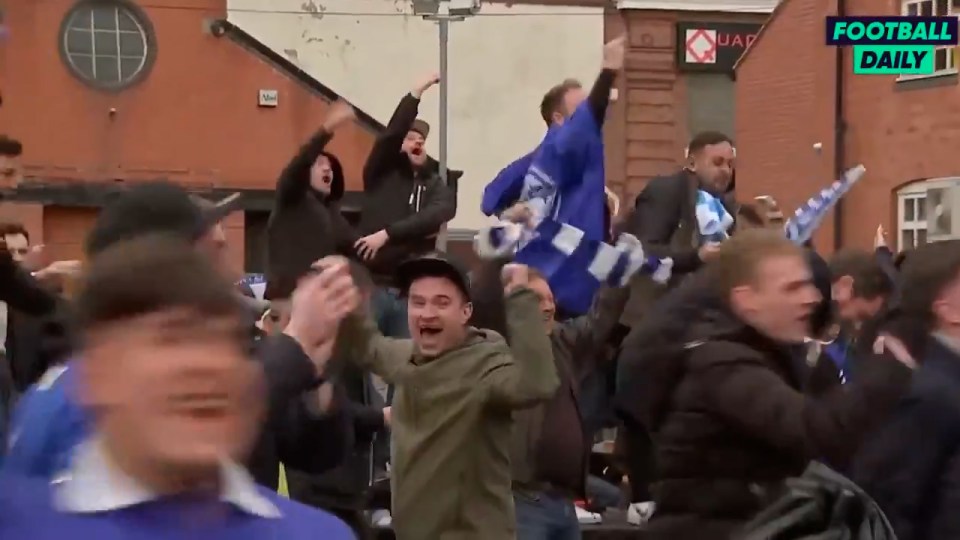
column 457, row 388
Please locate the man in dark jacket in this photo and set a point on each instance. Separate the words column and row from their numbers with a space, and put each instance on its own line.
column 306, row 224
column 911, row 466
column 551, row 446
column 860, row 288
column 732, row 422
column 405, row 205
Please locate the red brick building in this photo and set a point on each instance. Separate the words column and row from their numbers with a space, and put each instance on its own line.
column 793, row 92
column 109, row 92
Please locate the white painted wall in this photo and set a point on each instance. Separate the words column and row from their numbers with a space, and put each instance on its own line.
column 501, row 63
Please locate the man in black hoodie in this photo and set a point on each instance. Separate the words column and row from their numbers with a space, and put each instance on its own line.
column 306, row 224
column 405, row 205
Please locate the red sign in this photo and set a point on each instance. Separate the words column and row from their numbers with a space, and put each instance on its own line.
column 701, row 46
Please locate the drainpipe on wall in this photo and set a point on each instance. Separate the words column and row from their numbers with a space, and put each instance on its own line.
column 839, row 132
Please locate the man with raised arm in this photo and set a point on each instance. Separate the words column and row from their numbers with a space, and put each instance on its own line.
column 457, row 387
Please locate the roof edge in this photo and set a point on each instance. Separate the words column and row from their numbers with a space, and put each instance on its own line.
column 248, row 41
column 721, row 6
column 763, row 30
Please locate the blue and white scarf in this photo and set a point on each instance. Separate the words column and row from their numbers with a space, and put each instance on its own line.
column 574, row 265
column 713, row 220
column 810, row 215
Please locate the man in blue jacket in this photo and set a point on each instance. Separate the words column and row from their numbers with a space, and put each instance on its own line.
column 174, row 406
column 564, row 178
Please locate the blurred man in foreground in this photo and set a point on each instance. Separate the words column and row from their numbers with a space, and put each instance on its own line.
column 176, row 404
column 49, row 421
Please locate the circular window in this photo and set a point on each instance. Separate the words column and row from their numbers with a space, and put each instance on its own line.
column 108, row 44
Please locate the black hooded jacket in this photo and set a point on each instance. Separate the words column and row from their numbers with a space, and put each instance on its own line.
column 411, row 205
column 306, row 225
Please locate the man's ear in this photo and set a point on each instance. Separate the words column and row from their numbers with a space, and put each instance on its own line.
column 467, row 311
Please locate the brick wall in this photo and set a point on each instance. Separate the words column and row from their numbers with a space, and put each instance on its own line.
column 901, row 131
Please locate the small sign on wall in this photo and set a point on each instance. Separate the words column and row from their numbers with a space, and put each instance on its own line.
column 713, row 46
column 268, row 98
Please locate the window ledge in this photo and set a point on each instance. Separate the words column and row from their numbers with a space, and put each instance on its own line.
column 921, row 82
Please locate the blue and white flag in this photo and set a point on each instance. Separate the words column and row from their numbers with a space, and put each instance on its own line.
column 800, row 228
column 713, row 219
column 575, row 266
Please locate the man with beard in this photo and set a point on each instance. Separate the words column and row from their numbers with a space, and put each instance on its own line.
column 405, row 204
column 305, row 224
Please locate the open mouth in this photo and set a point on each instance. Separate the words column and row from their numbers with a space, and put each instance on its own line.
column 202, row 406
column 417, row 151
column 429, row 331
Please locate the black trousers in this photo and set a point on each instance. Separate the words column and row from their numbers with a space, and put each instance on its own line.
column 638, row 457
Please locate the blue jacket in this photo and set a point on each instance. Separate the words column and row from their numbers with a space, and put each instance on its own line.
column 565, row 180
column 47, row 425
column 506, row 188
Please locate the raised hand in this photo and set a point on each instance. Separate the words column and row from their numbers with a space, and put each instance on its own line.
column 514, row 276
column 425, row 84
column 339, row 114
column 613, row 53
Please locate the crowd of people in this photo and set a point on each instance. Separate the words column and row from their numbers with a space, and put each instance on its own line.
column 757, row 390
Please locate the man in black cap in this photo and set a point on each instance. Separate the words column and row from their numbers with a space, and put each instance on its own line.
column 405, row 205
column 50, row 424
column 456, row 388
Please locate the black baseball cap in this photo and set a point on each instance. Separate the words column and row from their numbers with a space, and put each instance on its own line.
column 433, row 265
column 156, row 207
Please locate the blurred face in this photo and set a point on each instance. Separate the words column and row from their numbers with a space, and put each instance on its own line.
column 19, row 247
column 548, row 308
column 781, row 300
column 946, row 308
column 853, row 309
column 437, row 315
column 713, row 164
column 321, row 175
column 571, row 100
column 173, row 391
column 413, row 146
column 214, row 245
column 11, row 172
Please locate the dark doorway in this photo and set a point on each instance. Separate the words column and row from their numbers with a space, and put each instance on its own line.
column 255, row 241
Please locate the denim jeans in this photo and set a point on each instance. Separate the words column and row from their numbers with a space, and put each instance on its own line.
column 541, row 516
column 390, row 313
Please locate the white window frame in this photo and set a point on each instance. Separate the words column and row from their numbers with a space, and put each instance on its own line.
column 914, row 192
column 953, row 52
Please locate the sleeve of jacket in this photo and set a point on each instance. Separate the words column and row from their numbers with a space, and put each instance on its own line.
column 346, row 236
column 900, row 476
column 506, row 187
column 587, row 334
column 289, row 373
column 386, row 148
column 946, row 520
column 742, row 389
column 294, row 181
column 528, row 373
column 437, row 207
column 656, row 218
column 361, row 341
column 21, row 291
column 314, row 443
